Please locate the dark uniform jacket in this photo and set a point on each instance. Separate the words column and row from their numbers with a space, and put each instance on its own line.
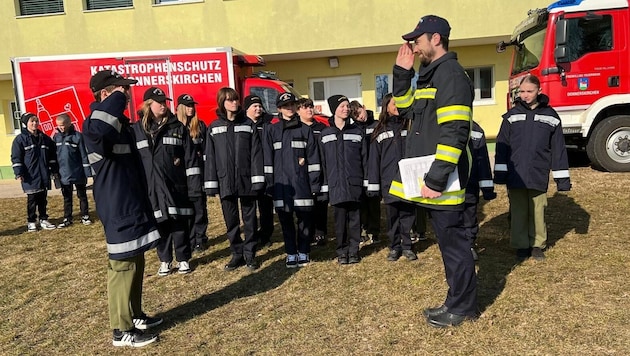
column 120, row 190
column 34, row 158
column 234, row 161
column 441, row 112
column 387, row 148
column 480, row 172
column 171, row 167
column 291, row 165
column 529, row 144
column 199, row 142
column 74, row 167
column 344, row 162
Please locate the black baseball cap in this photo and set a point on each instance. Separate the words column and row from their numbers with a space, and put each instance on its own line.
column 429, row 24
column 186, row 99
column 285, row 99
column 156, row 94
column 105, row 78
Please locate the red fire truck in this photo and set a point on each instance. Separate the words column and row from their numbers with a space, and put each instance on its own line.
column 49, row 86
column 580, row 50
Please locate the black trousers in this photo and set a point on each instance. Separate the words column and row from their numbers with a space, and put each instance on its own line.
column 66, row 191
column 459, row 266
column 229, row 205
column 320, row 218
column 400, row 218
column 199, row 221
column 371, row 214
column 36, row 201
column 265, row 213
column 300, row 240
column 471, row 224
column 174, row 235
column 347, row 228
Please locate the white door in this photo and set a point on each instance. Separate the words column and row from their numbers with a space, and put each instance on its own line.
column 322, row 88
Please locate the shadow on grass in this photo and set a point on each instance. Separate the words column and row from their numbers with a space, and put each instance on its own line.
column 563, row 215
column 261, row 281
column 15, row 231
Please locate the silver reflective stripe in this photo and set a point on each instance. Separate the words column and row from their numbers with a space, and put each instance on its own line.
column 268, row 169
column 258, row 179
column 243, row 128
column 303, row 202
column 172, row 141
column 560, row 174
column 314, row 167
column 352, row 137
column 373, row 187
column 476, row 135
column 86, row 165
column 384, row 135
column 500, row 167
column 277, row 145
column 278, row 203
column 324, row 189
column 142, row 144
column 111, row 120
column 218, row 130
column 59, row 143
column 193, row 171
column 17, row 164
column 44, row 147
column 180, row 211
column 403, row 133
column 549, row 120
column 298, row 144
column 94, row 157
column 26, row 148
column 211, row 184
column 197, row 141
column 517, row 117
column 121, row 149
column 486, row 183
column 135, row 244
column 157, row 214
column 52, row 161
column 369, row 131
column 329, row 138
column 365, row 183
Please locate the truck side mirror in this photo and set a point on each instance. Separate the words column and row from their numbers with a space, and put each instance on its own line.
column 560, row 52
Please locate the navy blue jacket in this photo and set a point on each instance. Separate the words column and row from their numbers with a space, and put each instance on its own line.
column 34, row 158
column 120, row 190
column 344, row 161
column 171, row 167
column 74, row 167
column 480, row 170
column 387, row 148
column 530, row 144
column 234, row 161
column 291, row 165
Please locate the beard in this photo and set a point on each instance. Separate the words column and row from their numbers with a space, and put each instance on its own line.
column 426, row 57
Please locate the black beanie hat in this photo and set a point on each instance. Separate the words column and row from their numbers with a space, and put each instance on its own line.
column 334, row 102
column 250, row 100
column 25, row 117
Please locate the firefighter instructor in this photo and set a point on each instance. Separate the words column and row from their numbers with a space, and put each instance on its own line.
column 440, row 110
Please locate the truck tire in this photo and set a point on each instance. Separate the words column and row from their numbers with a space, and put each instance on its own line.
column 608, row 147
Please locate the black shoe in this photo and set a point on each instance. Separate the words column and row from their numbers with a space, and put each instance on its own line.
column 199, row 248
column 252, row 264
column 538, row 254
column 234, row 263
column 523, row 254
column 264, row 244
column 409, row 255
column 320, row 240
column 446, row 319
column 144, row 322
column 342, row 260
column 393, row 255
column 354, row 259
column 434, row 311
column 133, row 338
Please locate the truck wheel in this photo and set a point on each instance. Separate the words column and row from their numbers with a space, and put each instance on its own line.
column 608, row 147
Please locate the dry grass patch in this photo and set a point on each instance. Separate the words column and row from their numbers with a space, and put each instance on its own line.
column 54, row 301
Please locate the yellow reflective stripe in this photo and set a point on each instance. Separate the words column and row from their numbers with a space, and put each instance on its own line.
column 448, row 153
column 426, row 93
column 453, row 113
column 447, row 198
column 404, row 101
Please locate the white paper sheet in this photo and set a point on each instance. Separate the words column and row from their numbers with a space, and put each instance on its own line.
column 413, row 170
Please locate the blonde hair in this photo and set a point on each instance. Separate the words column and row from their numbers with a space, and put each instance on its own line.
column 194, row 127
column 147, row 115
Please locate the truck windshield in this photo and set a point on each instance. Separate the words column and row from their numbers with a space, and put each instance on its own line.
column 529, row 50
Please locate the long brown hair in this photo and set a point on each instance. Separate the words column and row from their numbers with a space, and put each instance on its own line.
column 384, row 117
column 192, row 123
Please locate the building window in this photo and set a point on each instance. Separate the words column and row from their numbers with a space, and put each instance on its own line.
column 483, row 82
column 383, row 87
column 40, row 7
column 107, row 4
column 158, row 2
column 15, row 113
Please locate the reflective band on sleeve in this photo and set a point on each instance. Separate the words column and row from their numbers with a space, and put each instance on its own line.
column 426, row 93
column 329, row 138
column 303, row 202
column 298, row 144
column 174, row 141
column 94, row 157
column 211, row 184
column 268, row 169
column 405, row 100
column 258, row 179
column 111, row 120
column 369, row 131
column 373, row 187
column 447, row 153
column 314, row 167
column 352, row 137
column 121, row 149
column 16, row 165
column 454, row 113
column 403, row 133
column 365, row 183
column 193, row 171
column 476, row 135
column 278, row 203
column 173, row 210
column 243, row 128
column 218, row 130
column 157, row 214
column 26, row 148
column 142, row 144
column 277, row 145
column 486, row 183
column 560, row 174
column 516, row 117
column 135, row 244
column 324, row 188
column 500, row 167
column 549, row 120
column 384, row 135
